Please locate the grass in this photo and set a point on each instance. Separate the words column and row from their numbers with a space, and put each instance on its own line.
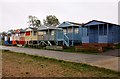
column 1, row 42
column 68, row 50
column 72, row 50
column 55, row 66
column 118, row 46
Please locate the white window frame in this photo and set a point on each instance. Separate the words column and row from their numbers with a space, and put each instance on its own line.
column 76, row 30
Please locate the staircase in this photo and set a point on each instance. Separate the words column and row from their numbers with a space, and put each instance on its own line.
column 49, row 43
column 42, row 42
column 66, row 40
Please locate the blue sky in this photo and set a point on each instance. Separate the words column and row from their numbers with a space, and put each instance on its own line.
column 14, row 13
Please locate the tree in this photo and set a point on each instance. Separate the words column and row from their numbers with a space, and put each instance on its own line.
column 51, row 20
column 3, row 35
column 34, row 21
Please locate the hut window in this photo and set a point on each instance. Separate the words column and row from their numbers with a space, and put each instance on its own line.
column 11, row 39
column 44, row 33
column 101, row 30
column 22, row 34
column 105, row 30
column 70, row 30
column 16, row 35
column 40, row 33
column 35, row 33
column 52, row 32
column 85, row 31
column 76, row 30
column 64, row 30
column 5, row 38
column 87, row 34
column 28, row 33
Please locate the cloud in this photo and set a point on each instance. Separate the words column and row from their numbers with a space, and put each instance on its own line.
column 15, row 12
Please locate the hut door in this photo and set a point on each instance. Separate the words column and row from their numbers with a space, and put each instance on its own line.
column 93, row 35
column 96, row 36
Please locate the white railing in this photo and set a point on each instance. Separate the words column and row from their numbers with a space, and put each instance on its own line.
column 66, row 40
column 46, row 37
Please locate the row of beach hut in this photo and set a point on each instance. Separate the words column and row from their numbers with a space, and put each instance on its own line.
column 68, row 34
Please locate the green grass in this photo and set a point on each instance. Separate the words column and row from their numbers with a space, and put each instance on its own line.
column 72, row 50
column 100, row 72
column 1, row 42
column 118, row 46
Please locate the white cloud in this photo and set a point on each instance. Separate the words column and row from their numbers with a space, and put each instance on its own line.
column 15, row 12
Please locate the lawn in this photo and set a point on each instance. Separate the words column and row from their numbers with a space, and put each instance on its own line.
column 118, row 46
column 72, row 50
column 23, row 65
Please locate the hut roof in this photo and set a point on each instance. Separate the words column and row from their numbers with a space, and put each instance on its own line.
column 98, row 22
column 69, row 24
column 43, row 27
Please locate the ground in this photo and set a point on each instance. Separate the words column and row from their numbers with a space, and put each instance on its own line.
column 115, row 52
column 104, row 61
column 23, row 65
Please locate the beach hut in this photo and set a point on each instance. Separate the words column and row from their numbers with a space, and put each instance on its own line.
column 22, row 37
column 101, row 33
column 31, row 36
column 15, row 37
column 72, row 33
column 8, row 38
column 49, row 35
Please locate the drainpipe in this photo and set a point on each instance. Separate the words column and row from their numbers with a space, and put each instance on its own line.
column 48, row 34
column 32, row 36
column 107, row 29
column 63, row 37
column 67, row 30
column 72, row 36
column 88, row 33
column 98, row 29
column 103, row 28
column 56, row 35
column 37, row 37
column 98, row 35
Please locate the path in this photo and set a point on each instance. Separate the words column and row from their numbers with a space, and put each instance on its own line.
column 115, row 52
column 109, row 62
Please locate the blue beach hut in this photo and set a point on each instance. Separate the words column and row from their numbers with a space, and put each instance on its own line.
column 101, row 33
column 72, row 33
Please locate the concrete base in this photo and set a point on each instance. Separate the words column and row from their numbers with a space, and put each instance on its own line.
column 97, row 44
column 54, row 47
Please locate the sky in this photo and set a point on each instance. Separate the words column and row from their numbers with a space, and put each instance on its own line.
column 14, row 13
